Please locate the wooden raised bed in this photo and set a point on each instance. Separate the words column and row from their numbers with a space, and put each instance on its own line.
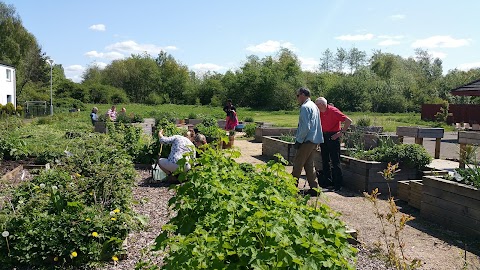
column 415, row 194
column 272, row 145
column 464, row 138
column 452, row 204
column 272, row 131
column 364, row 175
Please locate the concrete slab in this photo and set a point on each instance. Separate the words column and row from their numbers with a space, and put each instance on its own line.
column 443, row 164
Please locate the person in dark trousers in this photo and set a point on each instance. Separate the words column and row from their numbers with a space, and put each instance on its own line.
column 307, row 137
column 331, row 119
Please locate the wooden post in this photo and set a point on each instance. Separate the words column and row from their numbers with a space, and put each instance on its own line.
column 419, row 140
column 437, row 147
column 400, row 139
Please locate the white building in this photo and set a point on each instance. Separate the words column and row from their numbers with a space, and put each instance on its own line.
column 8, row 90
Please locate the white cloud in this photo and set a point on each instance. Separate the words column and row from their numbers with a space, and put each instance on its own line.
column 391, row 37
column 74, row 68
column 270, row 46
column 355, row 37
column 468, row 66
column 74, row 72
column 388, row 42
column 97, row 27
column 132, row 47
column 107, row 55
column 436, row 54
column 309, row 64
column 397, row 17
column 202, row 68
column 440, row 42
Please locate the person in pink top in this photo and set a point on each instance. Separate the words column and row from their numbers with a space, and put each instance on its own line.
column 112, row 113
column 331, row 120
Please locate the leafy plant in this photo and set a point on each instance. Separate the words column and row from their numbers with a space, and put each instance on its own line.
column 392, row 242
column 249, row 119
column 411, row 155
column 287, row 137
column 249, row 129
column 229, row 218
column 192, row 115
column 364, row 121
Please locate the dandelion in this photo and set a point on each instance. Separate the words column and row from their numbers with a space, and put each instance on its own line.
column 42, row 185
column 116, row 210
column 55, row 259
column 87, row 219
column 91, row 193
column 94, row 234
column 78, row 175
column 74, row 254
column 113, row 218
column 5, row 234
column 112, row 213
column 114, row 258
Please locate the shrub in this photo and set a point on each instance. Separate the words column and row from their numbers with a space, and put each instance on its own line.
column 249, row 119
column 249, row 220
column 411, row 155
column 363, row 121
column 249, row 129
column 192, row 115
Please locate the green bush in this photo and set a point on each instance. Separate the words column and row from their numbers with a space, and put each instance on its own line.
column 249, row 119
column 411, row 155
column 192, row 115
column 249, row 129
column 363, row 121
column 243, row 219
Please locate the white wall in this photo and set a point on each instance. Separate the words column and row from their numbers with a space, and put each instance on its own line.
column 7, row 87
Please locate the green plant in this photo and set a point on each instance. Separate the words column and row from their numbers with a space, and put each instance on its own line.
column 192, row 115
column 471, row 174
column 229, row 218
column 249, row 119
column 287, row 137
column 364, row 121
column 249, row 129
column 392, row 242
column 442, row 115
column 411, row 155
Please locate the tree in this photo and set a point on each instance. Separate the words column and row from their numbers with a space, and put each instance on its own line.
column 340, row 59
column 356, row 59
column 327, row 63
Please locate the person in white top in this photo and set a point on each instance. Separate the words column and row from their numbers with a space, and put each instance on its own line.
column 180, row 145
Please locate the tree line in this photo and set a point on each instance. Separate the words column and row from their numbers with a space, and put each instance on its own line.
column 350, row 78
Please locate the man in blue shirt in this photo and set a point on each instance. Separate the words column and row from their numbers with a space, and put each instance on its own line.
column 309, row 135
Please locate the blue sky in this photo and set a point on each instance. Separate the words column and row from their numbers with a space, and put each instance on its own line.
column 219, row 35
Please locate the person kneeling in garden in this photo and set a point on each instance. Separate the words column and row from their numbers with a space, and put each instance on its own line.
column 180, row 145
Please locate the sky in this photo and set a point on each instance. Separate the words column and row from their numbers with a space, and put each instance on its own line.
column 219, row 35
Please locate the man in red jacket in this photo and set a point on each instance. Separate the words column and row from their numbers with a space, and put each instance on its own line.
column 331, row 119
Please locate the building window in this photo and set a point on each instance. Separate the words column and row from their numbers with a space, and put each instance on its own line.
column 9, row 75
column 9, row 98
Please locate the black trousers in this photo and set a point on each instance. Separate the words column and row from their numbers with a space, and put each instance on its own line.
column 331, row 159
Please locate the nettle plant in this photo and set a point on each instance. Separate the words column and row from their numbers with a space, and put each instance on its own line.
column 73, row 214
column 229, row 217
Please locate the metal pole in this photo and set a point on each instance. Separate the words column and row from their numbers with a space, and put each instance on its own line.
column 51, row 89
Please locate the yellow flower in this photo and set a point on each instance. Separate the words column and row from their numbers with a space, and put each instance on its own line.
column 87, row 219
column 94, row 234
column 91, row 193
column 55, row 259
column 74, row 254
column 77, row 175
column 114, row 258
column 116, row 210
column 113, row 218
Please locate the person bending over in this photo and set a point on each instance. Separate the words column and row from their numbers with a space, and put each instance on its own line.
column 180, row 145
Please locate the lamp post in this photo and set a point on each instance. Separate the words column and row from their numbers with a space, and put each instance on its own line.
column 50, row 62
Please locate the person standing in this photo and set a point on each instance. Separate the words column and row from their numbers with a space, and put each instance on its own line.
column 308, row 136
column 331, row 119
column 112, row 113
column 94, row 115
column 231, row 119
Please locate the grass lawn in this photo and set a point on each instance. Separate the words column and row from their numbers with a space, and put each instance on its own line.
column 389, row 121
